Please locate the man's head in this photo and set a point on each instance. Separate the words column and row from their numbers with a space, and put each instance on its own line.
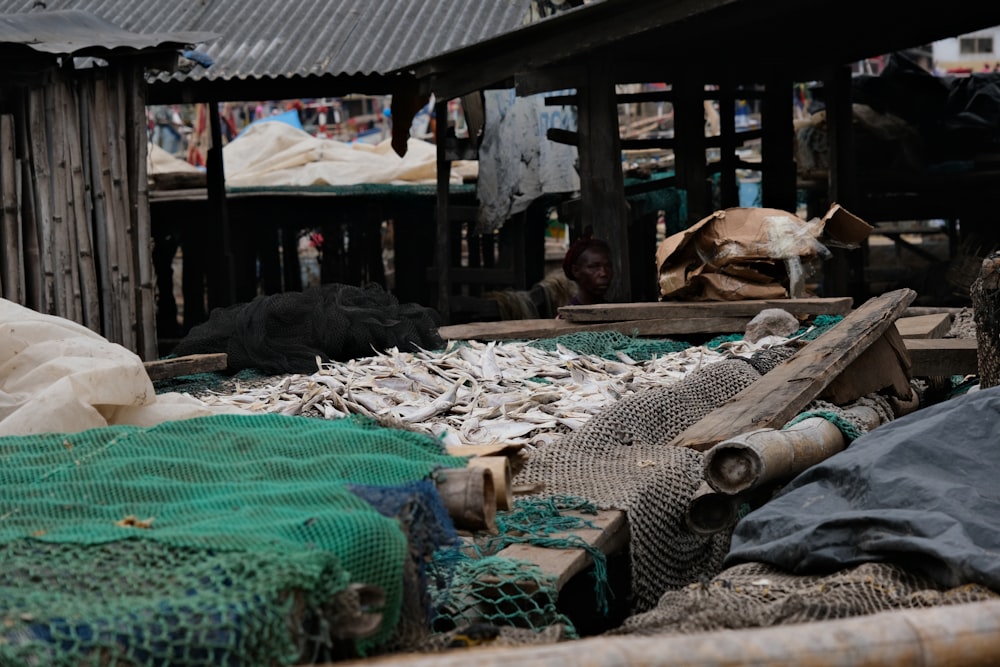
column 588, row 264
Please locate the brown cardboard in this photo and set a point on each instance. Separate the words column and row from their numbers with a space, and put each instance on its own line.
column 749, row 246
column 844, row 229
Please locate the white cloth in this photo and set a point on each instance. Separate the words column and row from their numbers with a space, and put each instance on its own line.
column 279, row 154
column 517, row 162
column 57, row 376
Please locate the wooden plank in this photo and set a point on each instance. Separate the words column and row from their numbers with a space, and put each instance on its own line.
column 924, row 326
column 544, row 328
column 608, row 312
column 781, row 394
column 610, row 535
column 884, row 366
column 187, row 365
column 932, row 357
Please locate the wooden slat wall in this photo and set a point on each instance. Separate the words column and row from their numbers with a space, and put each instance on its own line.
column 75, row 217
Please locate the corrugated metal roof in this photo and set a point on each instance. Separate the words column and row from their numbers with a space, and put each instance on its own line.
column 68, row 32
column 304, row 37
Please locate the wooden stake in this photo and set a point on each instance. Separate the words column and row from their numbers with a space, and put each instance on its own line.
column 10, row 262
column 82, row 208
column 137, row 145
column 41, row 177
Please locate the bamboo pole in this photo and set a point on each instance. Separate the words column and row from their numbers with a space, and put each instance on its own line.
column 765, row 455
column 79, row 147
column 125, row 235
column 135, row 94
column 710, row 511
column 499, row 466
column 104, row 225
column 62, row 244
column 33, row 284
column 946, row 636
column 12, row 262
column 41, row 176
column 469, row 496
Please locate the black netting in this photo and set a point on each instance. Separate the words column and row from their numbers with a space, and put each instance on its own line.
column 285, row 333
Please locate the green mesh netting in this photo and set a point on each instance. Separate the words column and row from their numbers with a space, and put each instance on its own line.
column 208, row 541
column 486, row 587
column 606, row 344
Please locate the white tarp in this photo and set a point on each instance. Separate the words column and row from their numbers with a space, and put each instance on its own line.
column 278, row 154
column 517, row 163
column 57, row 376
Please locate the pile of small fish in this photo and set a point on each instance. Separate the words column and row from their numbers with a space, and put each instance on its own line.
column 475, row 393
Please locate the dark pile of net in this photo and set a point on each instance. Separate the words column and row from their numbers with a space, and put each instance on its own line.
column 287, row 332
column 223, row 540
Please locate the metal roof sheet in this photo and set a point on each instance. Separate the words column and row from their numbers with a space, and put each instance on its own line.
column 68, row 32
column 303, row 37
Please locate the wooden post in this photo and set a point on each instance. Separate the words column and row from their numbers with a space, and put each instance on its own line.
column 222, row 271
column 11, row 261
column 602, row 184
column 79, row 152
column 777, row 146
column 122, row 221
column 41, row 177
column 442, row 251
column 842, row 187
column 689, row 148
column 134, row 91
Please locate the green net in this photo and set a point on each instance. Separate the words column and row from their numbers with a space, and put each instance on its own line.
column 488, row 587
column 607, row 344
column 216, row 540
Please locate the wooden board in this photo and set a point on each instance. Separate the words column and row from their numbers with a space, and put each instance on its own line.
column 610, row 535
column 883, row 367
column 187, row 365
column 924, row 326
column 532, row 329
column 781, row 394
column 613, row 312
column 934, row 357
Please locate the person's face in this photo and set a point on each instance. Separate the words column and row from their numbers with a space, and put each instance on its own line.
column 593, row 272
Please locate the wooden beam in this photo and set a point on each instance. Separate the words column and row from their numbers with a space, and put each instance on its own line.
column 937, row 357
column 924, row 326
column 602, row 184
column 612, row 312
column 186, row 365
column 531, row 329
column 883, row 367
column 610, row 535
column 781, row 394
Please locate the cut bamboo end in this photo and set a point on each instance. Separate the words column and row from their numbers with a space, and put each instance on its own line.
column 502, row 476
column 469, row 496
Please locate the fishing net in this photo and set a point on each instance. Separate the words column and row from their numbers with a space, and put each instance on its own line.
column 231, row 539
column 607, row 344
column 619, row 459
column 285, row 333
column 752, row 595
column 514, row 597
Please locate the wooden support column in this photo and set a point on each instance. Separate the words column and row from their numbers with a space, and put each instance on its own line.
column 844, row 272
column 221, row 270
column 777, row 146
column 729, row 192
column 689, row 149
column 602, row 185
column 442, row 253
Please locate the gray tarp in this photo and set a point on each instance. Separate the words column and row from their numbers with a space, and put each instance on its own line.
column 922, row 492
